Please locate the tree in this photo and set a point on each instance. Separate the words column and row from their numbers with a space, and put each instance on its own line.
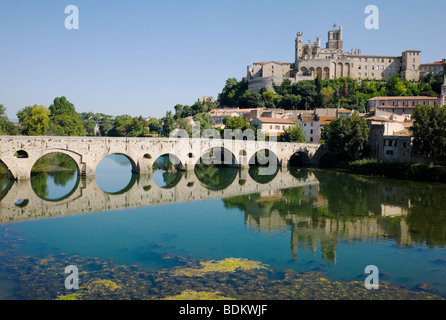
column 310, row 96
column 396, row 87
column 293, row 134
column 204, row 119
column 236, row 122
column 251, row 100
column 154, row 125
column 232, row 92
column 128, row 126
column 429, row 136
column 290, row 102
column 347, row 137
column 64, row 120
column 326, row 95
column 6, row 126
column 105, row 126
column 35, row 120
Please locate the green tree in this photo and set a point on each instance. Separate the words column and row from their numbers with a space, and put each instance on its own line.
column 34, row 120
column 396, row 87
column 429, row 136
column 6, row 126
column 310, row 96
column 290, row 102
column 236, row 122
column 232, row 92
column 64, row 120
column 128, row 126
column 251, row 100
column 293, row 134
column 105, row 126
column 154, row 125
column 204, row 119
column 326, row 95
column 347, row 137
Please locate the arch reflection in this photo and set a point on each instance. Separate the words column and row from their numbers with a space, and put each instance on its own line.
column 54, row 177
column 166, row 172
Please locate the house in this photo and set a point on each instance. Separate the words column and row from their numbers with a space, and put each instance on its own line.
column 272, row 126
column 401, row 105
column 390, row 140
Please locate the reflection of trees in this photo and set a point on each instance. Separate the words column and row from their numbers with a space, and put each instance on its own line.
column 259, row 174
column 215, row 177
column 427, row 218
column 39, row 183
column 58, row 166
column 351, row 207
column 165, row 163
column 171, row 179
column 54, row 162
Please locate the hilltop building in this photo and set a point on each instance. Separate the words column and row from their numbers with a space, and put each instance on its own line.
column 436, row 68
column 332, row 62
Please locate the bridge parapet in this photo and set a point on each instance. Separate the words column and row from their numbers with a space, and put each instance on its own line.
column 87, row 152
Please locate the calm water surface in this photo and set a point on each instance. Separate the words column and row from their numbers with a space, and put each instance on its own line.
column 301, row 220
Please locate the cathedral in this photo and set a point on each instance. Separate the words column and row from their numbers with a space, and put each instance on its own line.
column 331, row 62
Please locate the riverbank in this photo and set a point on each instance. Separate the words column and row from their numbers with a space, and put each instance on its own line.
column 397, row 170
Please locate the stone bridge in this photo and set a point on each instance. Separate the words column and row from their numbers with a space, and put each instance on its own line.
column 18, row 154
column 19, row 202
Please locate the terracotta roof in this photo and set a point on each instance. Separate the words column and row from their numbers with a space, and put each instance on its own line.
column 325, row 120
column 403, row 98
column 275, row 120
column 436, row 63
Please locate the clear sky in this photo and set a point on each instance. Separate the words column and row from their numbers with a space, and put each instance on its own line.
column 143, row 57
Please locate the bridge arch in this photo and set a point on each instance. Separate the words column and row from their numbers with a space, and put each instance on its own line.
column 77, row 158
column 218, row 155
column 299, row 159
column 263, row 157
column 10, row 173
column 135, row 168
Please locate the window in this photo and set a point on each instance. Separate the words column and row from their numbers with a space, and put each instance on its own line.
column 271, row 127
column 365, row 74
column 311, row 131
column 382, row 67
column 277, row 127
column 404, row 144
column 389, row 152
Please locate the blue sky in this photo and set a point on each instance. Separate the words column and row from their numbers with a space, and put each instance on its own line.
column 143, row 57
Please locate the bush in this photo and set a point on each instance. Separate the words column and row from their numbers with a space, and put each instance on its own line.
column 400, row 170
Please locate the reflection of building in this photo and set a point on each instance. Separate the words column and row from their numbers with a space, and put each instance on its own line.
column 308, row 212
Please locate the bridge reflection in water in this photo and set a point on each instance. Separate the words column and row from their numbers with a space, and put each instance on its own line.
column 20, row 202
column 316, row 207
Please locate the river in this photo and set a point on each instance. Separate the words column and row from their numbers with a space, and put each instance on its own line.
column 222, row 233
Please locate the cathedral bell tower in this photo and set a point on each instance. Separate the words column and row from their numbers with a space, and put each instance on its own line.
column 299, row 47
